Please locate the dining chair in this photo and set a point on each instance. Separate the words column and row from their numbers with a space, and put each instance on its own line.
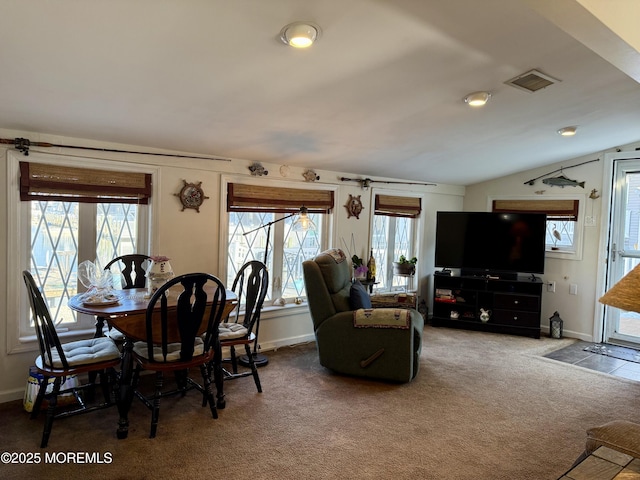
column 59, row 361
column 250, row 285
column 132, row 268
column 181, row 337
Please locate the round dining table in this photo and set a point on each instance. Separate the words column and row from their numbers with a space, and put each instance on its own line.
column 128, row 315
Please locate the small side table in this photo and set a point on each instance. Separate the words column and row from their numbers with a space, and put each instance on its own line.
column 370, row 284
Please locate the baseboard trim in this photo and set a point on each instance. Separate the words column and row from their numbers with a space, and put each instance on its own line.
column 286, row 342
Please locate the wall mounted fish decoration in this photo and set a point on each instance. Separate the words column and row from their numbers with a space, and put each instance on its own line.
column 562, row 181
column 533, row 180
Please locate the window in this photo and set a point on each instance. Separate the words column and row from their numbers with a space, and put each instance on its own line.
column 263, row 219
column 393, row 234
column 74, row 214
column 562, row 220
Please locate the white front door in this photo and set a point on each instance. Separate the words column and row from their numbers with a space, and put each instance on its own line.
column 624, row 248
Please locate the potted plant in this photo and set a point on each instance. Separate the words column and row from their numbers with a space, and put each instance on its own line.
column 359, row 267
column 404, row 266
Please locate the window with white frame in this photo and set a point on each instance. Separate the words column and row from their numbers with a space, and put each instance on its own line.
column 394, row 234
column 263, row 221
column 72, row 214
column 562, row 234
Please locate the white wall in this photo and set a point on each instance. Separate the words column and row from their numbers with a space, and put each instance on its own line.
column 578, row 311
column 192, row 240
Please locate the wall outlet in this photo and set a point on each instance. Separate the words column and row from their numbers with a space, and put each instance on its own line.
column 573, row 289
column 551, row 287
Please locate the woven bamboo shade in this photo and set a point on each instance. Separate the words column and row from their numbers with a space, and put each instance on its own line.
column 39, row 181
column 393, row 206
column 251, row 198
column 626, row 293
column 558, row 209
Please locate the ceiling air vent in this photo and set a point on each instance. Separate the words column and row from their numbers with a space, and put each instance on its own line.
column 532, row 81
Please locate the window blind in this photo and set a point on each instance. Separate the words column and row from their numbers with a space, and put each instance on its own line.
column 555, row 209
column 39, row 181
column 393, row 206
column 251, row 198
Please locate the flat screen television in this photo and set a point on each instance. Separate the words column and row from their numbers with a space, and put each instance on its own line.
column 495, row 244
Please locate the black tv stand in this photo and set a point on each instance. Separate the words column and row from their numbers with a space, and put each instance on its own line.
column 489, row 274
column 514, row 304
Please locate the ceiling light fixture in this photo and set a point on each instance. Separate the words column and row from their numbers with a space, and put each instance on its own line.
column 477, row 99
column 568, row 131
column 300, row 34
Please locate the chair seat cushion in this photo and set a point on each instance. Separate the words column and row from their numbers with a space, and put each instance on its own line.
column 173, row 350
column 228, row 331
column 115, row 334
column 85, row 352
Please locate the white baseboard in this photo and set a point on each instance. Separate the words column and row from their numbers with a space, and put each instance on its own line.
column 570, row 334
column 11, row 395
column 286, row 342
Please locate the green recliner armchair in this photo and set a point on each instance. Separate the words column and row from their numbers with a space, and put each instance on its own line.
column 379, row 347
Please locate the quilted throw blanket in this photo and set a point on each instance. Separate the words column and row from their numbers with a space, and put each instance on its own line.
column 337, row 255
column 382, row 318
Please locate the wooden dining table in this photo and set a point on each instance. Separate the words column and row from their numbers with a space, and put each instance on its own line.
column 128, row 315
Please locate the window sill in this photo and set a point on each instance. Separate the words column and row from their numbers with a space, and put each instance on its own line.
column 276, row 311
column 562, row 254
column 29, row 343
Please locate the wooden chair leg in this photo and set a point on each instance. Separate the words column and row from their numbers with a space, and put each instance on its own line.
column 38, row 402
column 207, row 395
column 155, row 412
column 181, row 380
column 234, row 360
column 218, row 378
column 254, row 369
column 51, row 410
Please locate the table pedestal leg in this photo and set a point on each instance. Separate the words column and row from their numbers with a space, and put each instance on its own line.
column 99, row 327
column 125, row 395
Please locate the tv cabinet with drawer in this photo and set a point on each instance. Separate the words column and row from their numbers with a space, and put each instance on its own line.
column 514, row 304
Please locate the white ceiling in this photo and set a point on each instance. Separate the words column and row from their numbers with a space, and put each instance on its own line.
column 380, row 94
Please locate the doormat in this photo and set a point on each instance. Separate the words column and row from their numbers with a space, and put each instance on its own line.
column 615, row 351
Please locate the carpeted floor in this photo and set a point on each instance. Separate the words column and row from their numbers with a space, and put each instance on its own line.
column 484, row 406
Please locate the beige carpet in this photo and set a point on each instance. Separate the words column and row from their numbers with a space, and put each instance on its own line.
column 484, row 406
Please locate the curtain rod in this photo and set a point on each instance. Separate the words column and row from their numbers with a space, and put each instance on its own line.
column 23, row 144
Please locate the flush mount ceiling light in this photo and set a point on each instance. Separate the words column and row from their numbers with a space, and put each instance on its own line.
column 568, row 131
column 477, row 99
column 300, row 34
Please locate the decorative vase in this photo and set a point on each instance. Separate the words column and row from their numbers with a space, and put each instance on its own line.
column 158, row 273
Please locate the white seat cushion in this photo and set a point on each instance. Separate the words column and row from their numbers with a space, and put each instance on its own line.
column 173, row 351
column 228, row 331
column 85, row 352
